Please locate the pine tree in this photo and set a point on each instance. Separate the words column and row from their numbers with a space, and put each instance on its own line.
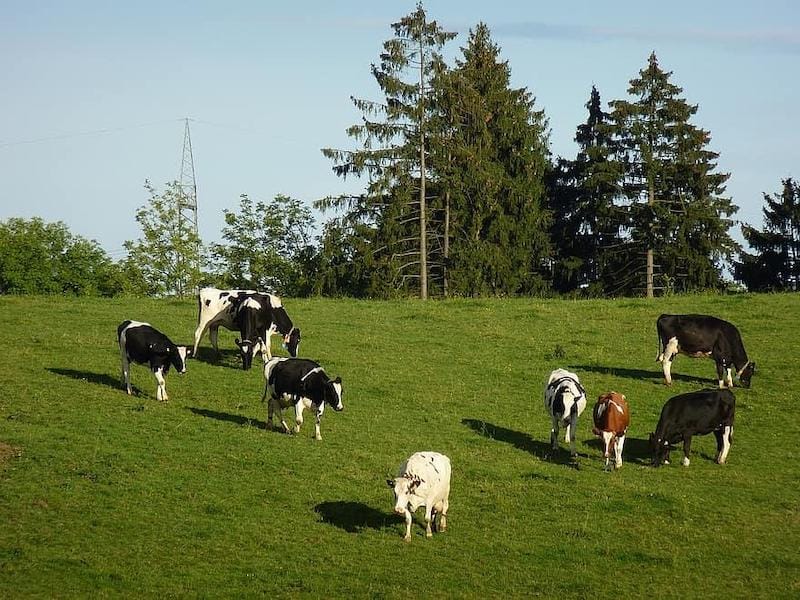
column 394, row 135
column 491, row 170
column 776, row 265
column 677, row 211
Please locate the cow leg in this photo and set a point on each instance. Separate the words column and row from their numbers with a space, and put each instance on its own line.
column 618, row 450
column 213, row 331
column 443, row 515
column 298, row 416
column 161, row 390
column 317, row 435
column 126, row 372
column 670, row 351
column 573, row 425
column 730, row 378
column 687, row 448
column 428, row 518
column 198, row 334
column 407, row 536
column 554, row 434
column 723, row 443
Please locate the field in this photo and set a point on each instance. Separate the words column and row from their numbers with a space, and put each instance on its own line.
column 104, row 494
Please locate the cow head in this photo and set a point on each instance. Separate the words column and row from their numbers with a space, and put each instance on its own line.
column 178, row 357
column 246, row 352
column 404, row 487
column 660, row 448
column 747, row 374
column 291, row 341
column 333, row 393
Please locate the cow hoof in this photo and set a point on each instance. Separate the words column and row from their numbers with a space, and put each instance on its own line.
column 318, row 438
column 407, row 538
column 685, row 462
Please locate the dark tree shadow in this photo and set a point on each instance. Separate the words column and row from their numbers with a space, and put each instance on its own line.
column 354, row 516
column 522, row 441
column 94, row 378
column 228, row 417
column 657, row 376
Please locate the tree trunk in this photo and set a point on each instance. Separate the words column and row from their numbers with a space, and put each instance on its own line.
column 651, row 200
column 423, row 242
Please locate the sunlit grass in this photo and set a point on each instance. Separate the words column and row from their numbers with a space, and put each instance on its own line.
column 102, row 493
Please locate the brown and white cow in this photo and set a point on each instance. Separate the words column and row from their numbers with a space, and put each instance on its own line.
column 611, row 419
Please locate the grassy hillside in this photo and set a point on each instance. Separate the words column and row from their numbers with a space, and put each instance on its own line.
column 102, row 493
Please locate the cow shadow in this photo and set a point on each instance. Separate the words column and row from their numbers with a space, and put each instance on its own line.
column 658, row 376
column 353, row 517
column 636, row 450
column 240, row 420
column 226, row 357
column 93, row 378
column 521, row 441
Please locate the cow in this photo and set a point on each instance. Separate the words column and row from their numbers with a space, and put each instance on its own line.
column 423, row 480
column 564, row 400
column 142, row 343
column 695, row 413
column 701, row 335
column 611, row 418
column 219, row 308
column 252, row 320
column 301, row 383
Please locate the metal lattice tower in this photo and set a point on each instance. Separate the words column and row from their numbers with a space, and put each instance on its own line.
column 187, row 202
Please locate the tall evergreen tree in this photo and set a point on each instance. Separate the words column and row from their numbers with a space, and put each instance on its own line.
column 491, row 170
column 677, row 211
column 776, row 263
column 586, row 222
column 394, row 135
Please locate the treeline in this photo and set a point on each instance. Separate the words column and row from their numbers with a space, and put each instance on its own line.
column 462, row 198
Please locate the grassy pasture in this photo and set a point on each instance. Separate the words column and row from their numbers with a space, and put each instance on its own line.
column 102, row 494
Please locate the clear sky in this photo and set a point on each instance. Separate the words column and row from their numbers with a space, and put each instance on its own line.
column 93, row 94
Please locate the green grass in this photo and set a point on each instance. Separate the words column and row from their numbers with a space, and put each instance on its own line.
column 110, row 495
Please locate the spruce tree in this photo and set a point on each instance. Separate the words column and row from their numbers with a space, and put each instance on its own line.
column 492, row 172
column 679, row 218
column 776, row 264
column 586, row 223
column 394, row 134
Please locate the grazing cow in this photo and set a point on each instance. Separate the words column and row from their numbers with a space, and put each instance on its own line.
column 301, row 383
column 220, row 307
column 141, row 343
column 701, row 335
column 695, row 413
column 423, row 480
column 611, row 419
column 564, row 400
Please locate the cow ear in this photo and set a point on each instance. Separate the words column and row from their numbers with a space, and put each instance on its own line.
column 390, row 483
column 337, row 380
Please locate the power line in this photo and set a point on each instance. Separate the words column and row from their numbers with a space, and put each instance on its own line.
column 66, row 136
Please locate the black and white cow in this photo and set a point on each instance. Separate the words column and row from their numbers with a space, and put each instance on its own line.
column 142, row 343
column 701, row 335
column 695, row 413
column 564, row 400
column 301, row 383
column 220, row 308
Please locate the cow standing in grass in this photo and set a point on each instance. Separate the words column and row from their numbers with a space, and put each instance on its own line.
column 301, row 383
column 142, row 343
column 695, row 413
column 220, row 308
column 423, row 480
column 564, row 400
column 701, row 335
column 611, row 418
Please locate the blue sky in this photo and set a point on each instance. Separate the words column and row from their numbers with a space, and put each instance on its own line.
column 93, row 94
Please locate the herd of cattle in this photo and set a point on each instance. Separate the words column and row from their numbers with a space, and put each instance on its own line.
column 424, row 478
